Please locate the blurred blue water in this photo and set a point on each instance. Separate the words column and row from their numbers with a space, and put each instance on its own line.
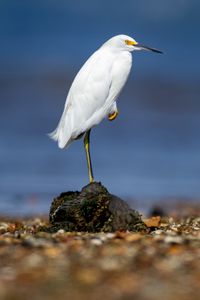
column 55, row 34
column 150, row 152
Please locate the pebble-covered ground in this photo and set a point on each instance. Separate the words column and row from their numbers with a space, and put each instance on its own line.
column 161, row 264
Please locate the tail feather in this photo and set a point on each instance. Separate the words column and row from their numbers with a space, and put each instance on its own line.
column 53, row 135
column 59, row 135
column 64, row 133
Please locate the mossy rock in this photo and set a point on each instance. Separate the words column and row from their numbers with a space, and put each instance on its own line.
column 93, row 209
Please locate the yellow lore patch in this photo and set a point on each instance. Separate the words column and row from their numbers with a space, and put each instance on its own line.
column 129, row 43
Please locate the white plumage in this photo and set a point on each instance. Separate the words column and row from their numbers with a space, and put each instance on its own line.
column 95, row 89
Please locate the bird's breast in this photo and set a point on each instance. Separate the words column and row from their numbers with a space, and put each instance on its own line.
column 119, row 73
column 121, row 68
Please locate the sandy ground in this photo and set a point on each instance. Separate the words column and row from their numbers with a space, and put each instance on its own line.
column 161, row 264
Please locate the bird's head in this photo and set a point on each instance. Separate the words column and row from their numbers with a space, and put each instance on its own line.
column 125, row 42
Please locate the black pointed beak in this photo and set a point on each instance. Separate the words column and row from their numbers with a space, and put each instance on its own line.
column 142, row 47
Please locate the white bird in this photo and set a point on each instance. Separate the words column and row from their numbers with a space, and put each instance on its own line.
column 94, row 92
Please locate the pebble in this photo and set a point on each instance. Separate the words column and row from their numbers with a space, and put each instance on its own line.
column 60, row 231
column 96, row 242
column 159, row 231
column 3, row 227
column 173, row 239
column 36, row 242
column 110, row 235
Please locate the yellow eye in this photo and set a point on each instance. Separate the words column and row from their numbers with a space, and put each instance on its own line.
column 129, row 43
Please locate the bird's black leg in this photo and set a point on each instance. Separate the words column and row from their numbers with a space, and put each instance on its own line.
column 87, row 150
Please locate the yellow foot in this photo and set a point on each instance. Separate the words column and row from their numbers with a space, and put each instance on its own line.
column 112, row 116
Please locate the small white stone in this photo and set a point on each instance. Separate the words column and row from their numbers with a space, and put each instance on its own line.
column 3, row 227
column 96, row 242
column 173, row 239
column 110, row 235
column 159, row 231
column 60, row 231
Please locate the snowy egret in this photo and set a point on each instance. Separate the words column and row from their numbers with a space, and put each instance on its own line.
column 94, row 92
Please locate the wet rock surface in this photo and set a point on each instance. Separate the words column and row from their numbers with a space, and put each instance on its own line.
column 93, row 209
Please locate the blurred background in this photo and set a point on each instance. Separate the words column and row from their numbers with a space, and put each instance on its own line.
column 150, row 153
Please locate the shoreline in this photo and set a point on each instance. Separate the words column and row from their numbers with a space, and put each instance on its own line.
column 118, row 265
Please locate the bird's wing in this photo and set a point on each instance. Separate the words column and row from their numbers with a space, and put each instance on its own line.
column 91, row 86
column 91, row 96
column 87, row 95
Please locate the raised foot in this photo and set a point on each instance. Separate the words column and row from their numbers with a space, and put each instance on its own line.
column 113, row 116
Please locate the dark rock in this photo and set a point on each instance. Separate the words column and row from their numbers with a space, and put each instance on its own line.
column 93, row 209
